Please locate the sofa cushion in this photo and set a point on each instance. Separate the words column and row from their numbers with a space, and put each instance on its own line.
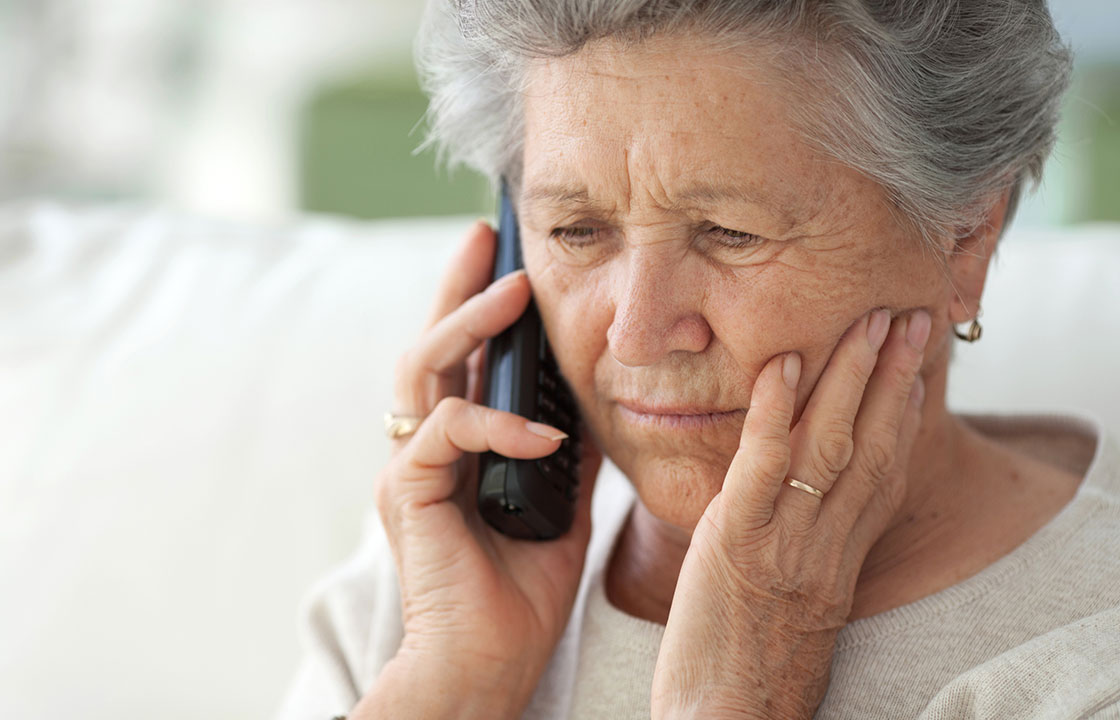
column 191, row 413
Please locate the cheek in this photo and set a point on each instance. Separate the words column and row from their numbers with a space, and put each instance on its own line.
column 785, row 307
column 791, row 303
column 801, row 300
column 805, row 302
column 575, row 308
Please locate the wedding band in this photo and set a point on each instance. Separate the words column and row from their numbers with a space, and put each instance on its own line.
column 399, row 426
column 802, row 486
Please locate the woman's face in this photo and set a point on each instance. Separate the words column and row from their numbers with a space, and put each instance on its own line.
column 678, row 234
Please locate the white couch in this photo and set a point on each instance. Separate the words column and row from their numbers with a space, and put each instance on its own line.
column 190, row 420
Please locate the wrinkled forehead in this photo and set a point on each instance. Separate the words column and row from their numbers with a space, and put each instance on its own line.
column 667, row 121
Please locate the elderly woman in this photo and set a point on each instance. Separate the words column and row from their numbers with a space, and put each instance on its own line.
column 750, row 228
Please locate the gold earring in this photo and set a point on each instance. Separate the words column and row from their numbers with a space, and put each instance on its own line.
column 974, row 330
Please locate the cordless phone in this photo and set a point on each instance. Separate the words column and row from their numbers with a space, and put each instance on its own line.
column 529, row 499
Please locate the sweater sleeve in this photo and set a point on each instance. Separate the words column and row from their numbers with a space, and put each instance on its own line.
column 349, row 627
column 1070, row 672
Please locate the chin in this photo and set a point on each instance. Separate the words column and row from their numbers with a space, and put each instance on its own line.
column 675, row 490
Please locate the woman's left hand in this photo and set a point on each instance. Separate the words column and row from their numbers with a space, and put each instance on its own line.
column 770, row 574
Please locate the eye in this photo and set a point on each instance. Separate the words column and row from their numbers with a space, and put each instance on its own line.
column 582, row 245
column 574, row 236
column 734, row 238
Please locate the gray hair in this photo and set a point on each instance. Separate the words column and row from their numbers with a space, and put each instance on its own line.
column 947, row 104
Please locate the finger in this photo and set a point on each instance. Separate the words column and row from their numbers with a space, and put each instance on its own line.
column 889, row 496
column 821, row 442
column 879, row 423
column 468, row 272
column 572, row 545
column 475, row 385
column 760, row 464
column 455, row 427
column 434, row 367
column 483, row 316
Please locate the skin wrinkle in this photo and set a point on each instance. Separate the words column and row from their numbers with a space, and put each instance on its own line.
column 665, row 101
column 663, row 315
column 639, row 233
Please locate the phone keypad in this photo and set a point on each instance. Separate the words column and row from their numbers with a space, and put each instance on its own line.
column 556, row 407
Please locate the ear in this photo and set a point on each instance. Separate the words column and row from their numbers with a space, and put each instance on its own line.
column 970, row 258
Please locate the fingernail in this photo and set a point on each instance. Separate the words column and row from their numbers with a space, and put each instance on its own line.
column 545, row 431
column 918, row 391
column 791, row 370
column 505, row 281
column 917, row 332
column 877, row 328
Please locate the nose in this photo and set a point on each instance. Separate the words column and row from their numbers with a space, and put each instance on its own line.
column 657, row 311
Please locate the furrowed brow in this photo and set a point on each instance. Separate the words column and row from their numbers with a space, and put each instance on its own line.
column 714, row 194
column 562, row 195
column 556, row 194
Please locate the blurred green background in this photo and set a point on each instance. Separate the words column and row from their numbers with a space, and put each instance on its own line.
column 263, row 109
column 358, row 134
column 1093, row 121
column 357, row 156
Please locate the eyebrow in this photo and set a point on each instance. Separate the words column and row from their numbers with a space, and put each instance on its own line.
column 562, row 194
column 557, row 194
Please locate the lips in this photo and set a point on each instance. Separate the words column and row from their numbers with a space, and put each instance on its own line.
column 674, row 416
column 647, row 408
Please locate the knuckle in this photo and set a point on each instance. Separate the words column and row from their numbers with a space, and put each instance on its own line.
column 471, row 314
column 770, row 427
column 410, row 515
column 777, row 422
column 878, row 455
column 903, row 377
column 859, row 371
column 448, row 408
column 832, row 449
column 771, row 460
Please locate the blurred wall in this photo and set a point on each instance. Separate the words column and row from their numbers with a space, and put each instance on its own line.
column 194, row 103
column 258, row 108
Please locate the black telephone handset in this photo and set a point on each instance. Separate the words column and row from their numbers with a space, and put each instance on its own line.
column 530, row 499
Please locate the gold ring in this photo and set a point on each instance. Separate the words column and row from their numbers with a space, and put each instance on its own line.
column 399, row 426
column 802, row 486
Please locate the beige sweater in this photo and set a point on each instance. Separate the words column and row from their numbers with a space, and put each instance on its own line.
column 1034, row 635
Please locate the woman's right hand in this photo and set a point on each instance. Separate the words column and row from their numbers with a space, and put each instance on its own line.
column 482, row 611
